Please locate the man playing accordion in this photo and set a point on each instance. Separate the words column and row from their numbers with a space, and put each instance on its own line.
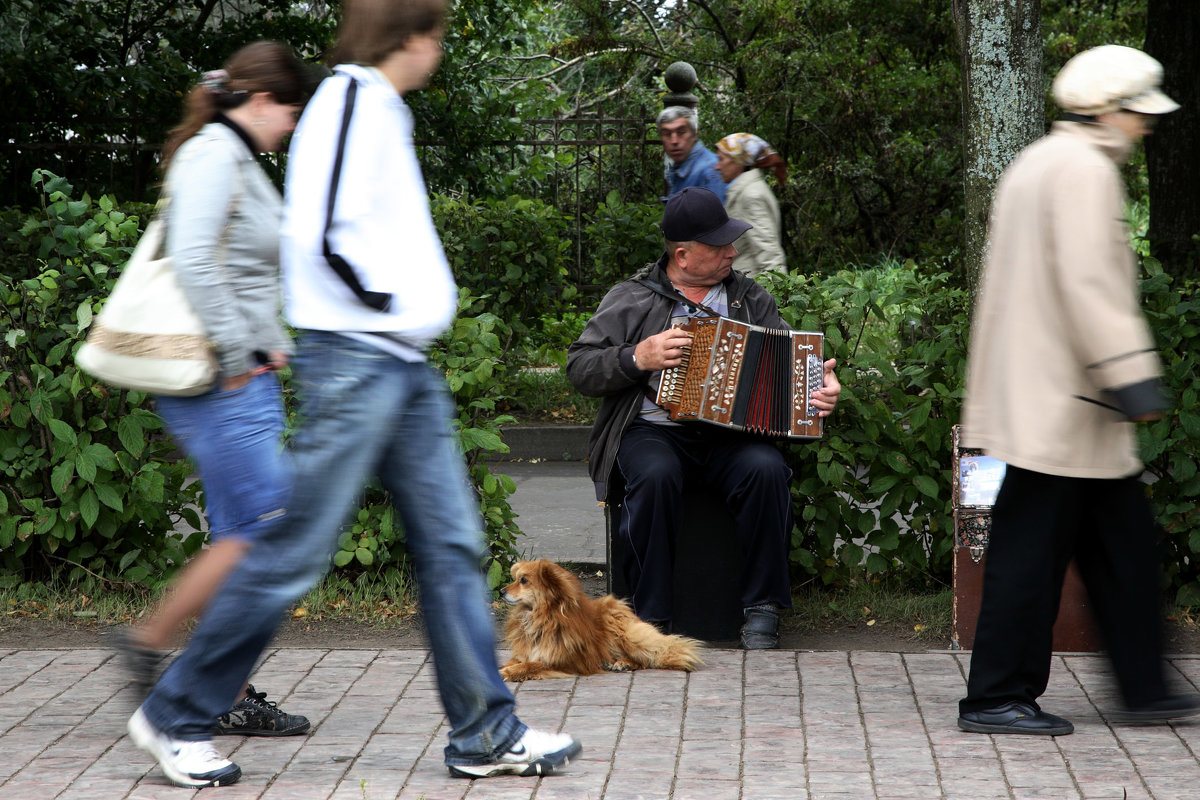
column 620, row 357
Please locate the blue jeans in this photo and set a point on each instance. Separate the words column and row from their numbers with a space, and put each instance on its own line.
column 363, row 413
column 234, row 440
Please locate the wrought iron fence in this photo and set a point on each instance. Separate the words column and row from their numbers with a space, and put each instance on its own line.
column 587, row 157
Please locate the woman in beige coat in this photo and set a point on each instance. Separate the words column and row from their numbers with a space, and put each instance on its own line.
column 741, row 157
column 1061, row 364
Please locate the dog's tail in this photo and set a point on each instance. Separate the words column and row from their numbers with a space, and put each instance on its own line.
column 677, row 652
column 651, row 649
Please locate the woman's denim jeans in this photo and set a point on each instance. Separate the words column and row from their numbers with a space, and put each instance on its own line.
column 363, row 413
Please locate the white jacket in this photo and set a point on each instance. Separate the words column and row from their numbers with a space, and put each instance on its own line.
column 381, row 226
column 750, row 199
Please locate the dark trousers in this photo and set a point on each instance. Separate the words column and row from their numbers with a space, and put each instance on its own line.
column 749, row 474
column 1039, row 523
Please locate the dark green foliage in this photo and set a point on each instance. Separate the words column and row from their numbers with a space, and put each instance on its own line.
column 511, row 252
column 91, row 87
column 91, row 486
column 472, row 353
column 874, row 492
column 621, row 237
column 1171, row 446
column 90, row 489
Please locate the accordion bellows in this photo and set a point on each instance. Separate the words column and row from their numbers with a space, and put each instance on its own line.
column 746, row 377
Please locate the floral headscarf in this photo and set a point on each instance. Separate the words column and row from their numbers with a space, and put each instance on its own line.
column 752, row 151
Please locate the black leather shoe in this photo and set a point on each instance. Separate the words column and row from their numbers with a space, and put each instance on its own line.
column 761, row 631
column 1015, row 717
column 1170, row 707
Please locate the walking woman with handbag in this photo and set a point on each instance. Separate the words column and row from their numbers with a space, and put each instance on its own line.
column 222, row 232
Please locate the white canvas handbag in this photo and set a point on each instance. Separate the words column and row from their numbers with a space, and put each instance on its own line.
column 147, row 337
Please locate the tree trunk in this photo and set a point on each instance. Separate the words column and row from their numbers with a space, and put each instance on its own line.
column 1173, row 152
column 1000, row 49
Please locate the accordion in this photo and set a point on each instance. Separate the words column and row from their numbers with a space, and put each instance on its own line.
column 746, row 377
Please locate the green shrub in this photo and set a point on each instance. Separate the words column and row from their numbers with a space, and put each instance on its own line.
column 510, row 252
column 88, row 482
column 621, row 238
column 92, row 485
column 1171, row 446
column 900, row 340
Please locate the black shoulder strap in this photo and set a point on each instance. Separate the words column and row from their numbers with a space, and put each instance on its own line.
column 658, row 288
column 380, row 301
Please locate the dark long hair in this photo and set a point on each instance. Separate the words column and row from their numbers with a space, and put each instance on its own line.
column 263, row 66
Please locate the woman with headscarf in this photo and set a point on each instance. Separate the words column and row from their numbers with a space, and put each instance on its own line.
column 741, row 157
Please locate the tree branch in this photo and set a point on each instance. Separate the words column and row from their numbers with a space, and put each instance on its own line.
column 649, row 24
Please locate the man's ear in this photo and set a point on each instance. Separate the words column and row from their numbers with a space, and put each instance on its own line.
column 680, row 256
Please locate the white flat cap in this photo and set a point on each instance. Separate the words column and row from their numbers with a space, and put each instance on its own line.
column 1112, row 78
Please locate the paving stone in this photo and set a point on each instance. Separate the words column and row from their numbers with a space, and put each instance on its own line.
column 759, row 726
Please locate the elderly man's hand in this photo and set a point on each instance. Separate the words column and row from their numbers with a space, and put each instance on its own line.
column 661, row 350
column 825, row 398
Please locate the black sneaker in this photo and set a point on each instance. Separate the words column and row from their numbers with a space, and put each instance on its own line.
column 142, row 663
column 1167, row 708
column 255, row 715
column 1015, row 717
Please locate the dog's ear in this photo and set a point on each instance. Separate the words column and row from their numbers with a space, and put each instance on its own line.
column 558, row 582
column 515, row 568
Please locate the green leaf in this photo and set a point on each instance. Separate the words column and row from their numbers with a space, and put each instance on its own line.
column 55, row 356
column 364, row 556
column 85, row 465
column 132, row 437
column 101, row 455
column 89, row 507
column 926, row 485
column 495, row 575
column 128, row 559
column 108, row 494
column 342, row 557
column 83, row 315
column 60, row 477
column 877, row 563
column 62, row 431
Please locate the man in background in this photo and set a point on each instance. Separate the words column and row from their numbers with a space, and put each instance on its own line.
column 687, row 161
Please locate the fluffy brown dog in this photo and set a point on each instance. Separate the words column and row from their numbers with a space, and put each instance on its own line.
column 556, row 631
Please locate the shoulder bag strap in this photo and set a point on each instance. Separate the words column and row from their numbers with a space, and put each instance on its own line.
column 672, row 294
column 380, row 301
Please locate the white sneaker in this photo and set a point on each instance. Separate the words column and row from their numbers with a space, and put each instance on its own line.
column 535, row 753
column 192, row 765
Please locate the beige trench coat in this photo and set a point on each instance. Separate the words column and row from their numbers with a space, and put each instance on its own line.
column 1057, row 325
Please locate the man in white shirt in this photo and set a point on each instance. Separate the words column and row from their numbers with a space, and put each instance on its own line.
column 367, row 284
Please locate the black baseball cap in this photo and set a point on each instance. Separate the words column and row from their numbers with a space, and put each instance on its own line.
column 697, row 215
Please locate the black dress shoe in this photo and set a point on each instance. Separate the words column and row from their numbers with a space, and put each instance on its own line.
column 1015, row 717
column 761, row 631
column 1170, row 707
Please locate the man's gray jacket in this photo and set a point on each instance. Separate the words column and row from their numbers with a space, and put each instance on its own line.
column 600, row 362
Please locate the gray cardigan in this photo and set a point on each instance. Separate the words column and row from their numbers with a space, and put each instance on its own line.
column 223, row 237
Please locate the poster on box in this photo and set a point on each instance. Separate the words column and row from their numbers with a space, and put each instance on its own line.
column 979, row 479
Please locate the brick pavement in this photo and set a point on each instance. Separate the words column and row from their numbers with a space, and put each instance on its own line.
column 783, row 725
